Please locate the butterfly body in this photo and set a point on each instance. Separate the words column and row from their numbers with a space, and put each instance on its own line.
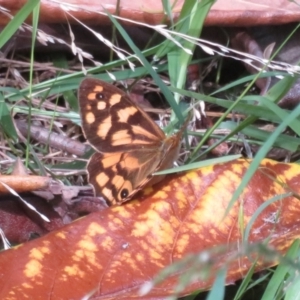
column 129, row 145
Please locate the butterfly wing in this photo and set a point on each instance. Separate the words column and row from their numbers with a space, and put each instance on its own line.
column 111, row 122
column 130, row 146
column 119, row 175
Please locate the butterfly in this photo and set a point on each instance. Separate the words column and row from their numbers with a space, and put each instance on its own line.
column 129, row 145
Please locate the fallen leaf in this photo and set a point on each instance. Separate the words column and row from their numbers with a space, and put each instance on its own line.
column 110, row 254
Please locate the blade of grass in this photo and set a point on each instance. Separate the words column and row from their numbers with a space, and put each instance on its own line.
column 283, row 141
column 245, row 283
column 218, row 289
column 294, row 124
column 168, row 10
column 35, row 20
column 185, row 23
column 5, row 36
column 17, row 21
column 200, row 164
column 241, row 107
column 260, row 155
column 279, row 276
column 191, row 20
column 285, row 84
column 60, row 60
column 68, row 82
column 6, row 122
column 164, row 89
column 274, row 94
column 246, row 79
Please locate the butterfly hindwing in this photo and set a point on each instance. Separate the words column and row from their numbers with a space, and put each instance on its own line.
column 118, row 176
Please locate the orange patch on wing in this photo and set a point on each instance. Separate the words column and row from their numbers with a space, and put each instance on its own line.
column 139, row 130
column 114, row 99
column 122, row 164
column 101, row 105
column 102, row 179
column 141, row 142
column 90, row 118
column 118, row 181
column 98, row 88
column 104, row 127
column 91, row 96
column 121, row 137
column 108, row 194
column 125, row 113
column 130, row 162
column 111, row 159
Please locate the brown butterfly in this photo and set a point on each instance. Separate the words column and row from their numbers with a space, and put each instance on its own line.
column 129, row 145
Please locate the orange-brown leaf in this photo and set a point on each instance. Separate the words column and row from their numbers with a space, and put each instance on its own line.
column 115, row 251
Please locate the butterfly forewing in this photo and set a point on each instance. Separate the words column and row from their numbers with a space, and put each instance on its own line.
column 112, row 122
